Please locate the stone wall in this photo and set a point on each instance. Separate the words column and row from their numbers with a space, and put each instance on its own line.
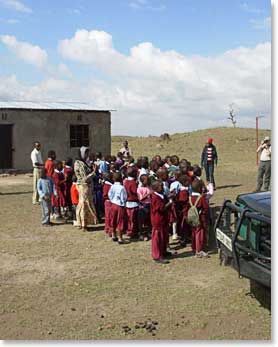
column 52, row 129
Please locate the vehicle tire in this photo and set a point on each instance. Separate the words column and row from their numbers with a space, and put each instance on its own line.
column 224, row 258
column 261, row 293
column 220, row 254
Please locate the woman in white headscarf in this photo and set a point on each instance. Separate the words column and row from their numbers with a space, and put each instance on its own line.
column 85, row 212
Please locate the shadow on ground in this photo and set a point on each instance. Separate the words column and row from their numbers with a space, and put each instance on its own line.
column 229, row 186
column 15, row 193
column 261, row 294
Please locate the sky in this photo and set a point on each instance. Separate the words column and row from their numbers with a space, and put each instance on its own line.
column 162, row 65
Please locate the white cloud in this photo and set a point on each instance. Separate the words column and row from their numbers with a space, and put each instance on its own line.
column 249, row 8
column 31, row 54
column 64, row 70
column 49, row 89
column 9, row 21
column 261, row 24
column 136, row 4
column 155, row 91
column 147, row 5
column 35, row 55
column 149, row 83
column 16, row 5
column 92, row 47
column 74, row 11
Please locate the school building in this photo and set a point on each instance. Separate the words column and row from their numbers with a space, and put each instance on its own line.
column 62, row 127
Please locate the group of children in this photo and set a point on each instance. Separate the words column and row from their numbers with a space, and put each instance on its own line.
column 138, row 201
column 56, row 188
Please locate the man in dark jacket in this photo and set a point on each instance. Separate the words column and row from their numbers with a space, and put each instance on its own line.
column 208, row 159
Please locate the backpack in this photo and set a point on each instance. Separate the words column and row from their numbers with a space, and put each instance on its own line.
column 193, row 217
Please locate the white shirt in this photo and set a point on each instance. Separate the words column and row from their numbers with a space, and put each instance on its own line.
column 125, row 151
column 117, row 194
column 36, row 157
column 142, row 171
column 210, row 191
column 264, row 154
column 166, row 188
column 160, row 195
column 175, row 186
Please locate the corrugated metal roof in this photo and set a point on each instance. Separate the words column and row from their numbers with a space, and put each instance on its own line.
column 49, row 105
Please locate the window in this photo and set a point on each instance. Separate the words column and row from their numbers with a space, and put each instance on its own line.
column 79, row 135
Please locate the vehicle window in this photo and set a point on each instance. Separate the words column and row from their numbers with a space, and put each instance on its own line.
column 229, row 221
column 249, row 233
column 265, row 240
column 256, row 236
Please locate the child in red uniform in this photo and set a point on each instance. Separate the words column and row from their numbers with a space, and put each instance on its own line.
column 197, row 173
column 118, row 196
column 175, row 188
column 199, row 233
column 154, row 166
column 107, row 204
column 144, row 195
column 160, row 223
column 167, row 162
column 182, row 202
column 74, row 195
column 132, row 203
column 49, row 164
column 190, row 172
column 59, row 200
column 113, row 168
column 162, row 175
column 68, row 172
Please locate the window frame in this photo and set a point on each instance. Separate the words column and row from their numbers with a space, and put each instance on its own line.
column 77, row 135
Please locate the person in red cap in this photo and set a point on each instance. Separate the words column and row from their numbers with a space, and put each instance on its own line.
column 209, row 159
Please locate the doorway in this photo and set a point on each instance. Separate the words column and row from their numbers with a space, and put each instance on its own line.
column 6, row 146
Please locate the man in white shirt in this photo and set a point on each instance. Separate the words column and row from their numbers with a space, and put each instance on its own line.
column 125, row 150
column 37, row 162
column 264, row 171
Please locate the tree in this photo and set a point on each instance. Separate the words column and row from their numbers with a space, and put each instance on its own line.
column 232, row 115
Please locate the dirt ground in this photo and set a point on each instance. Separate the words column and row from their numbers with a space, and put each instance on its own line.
column 61, row 283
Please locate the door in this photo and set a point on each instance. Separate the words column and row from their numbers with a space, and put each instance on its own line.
column 6, row 158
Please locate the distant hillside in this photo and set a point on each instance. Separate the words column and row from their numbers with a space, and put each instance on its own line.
column 232, row 143
column 236, row 150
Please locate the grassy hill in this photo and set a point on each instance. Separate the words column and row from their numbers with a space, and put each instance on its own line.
column 236, row 148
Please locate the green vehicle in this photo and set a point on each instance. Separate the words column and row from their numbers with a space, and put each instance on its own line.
column 243, row 234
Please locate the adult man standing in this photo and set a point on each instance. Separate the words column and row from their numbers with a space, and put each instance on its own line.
column 264, row 171
column 126, row 152
column 208, row 159
column 37, row 162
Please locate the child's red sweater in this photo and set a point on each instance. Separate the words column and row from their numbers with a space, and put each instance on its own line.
column 49, row 167
column 131, row 189
column 74, row 194
column 159, row 216
column 182, row 202
column 105, row 190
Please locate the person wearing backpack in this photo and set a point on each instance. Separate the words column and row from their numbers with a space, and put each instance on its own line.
column 197, row 219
